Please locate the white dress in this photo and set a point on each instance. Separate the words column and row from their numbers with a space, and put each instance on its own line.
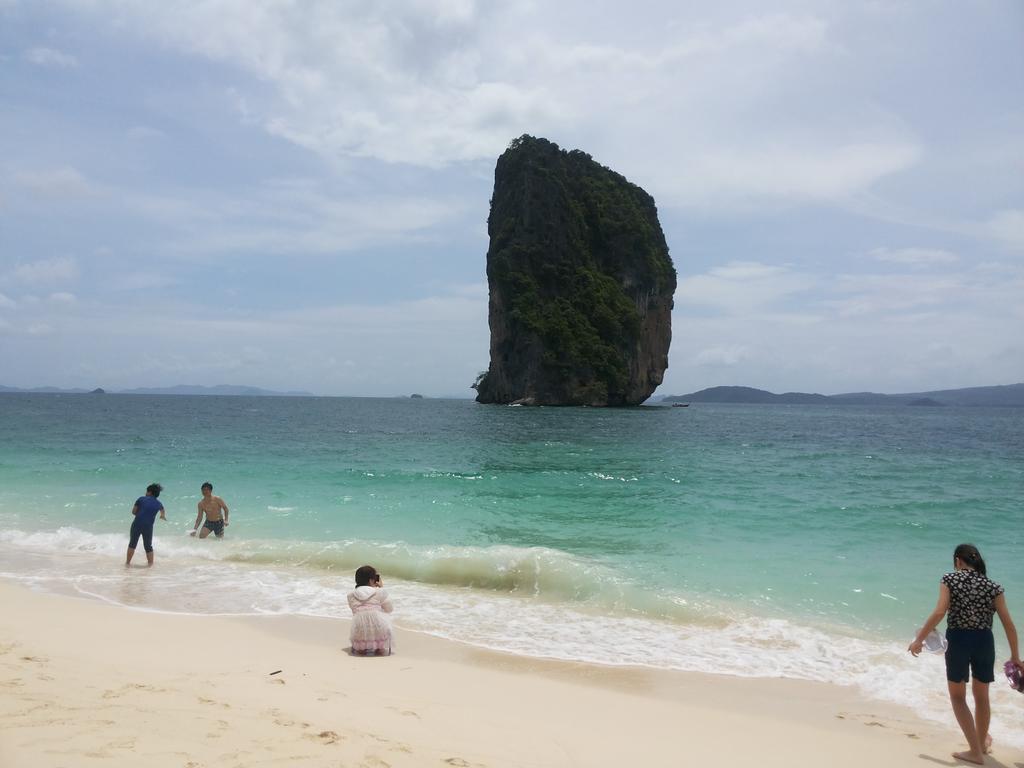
column 371, row 629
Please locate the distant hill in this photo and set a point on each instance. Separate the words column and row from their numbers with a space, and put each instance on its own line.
column 1004, row 395
column 46, row 390
column 744, row 395
column 180, row 389
column 220, row 389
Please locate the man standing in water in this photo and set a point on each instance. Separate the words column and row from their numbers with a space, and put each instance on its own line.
column 211, row 506
column 145, row 510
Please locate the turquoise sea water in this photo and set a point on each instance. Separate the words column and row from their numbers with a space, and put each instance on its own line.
column 804, row 541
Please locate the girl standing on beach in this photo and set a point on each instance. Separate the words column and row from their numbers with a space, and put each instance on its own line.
column 371, row 630
column 971, row 598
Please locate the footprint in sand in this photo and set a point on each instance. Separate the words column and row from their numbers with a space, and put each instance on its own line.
column 405, row 712
column 222, row 725
column 126, row 689
column 104, row 751
column 212, row 703
column 873, row 723
column 283, row 720
column 327, row 737
column 455, row 761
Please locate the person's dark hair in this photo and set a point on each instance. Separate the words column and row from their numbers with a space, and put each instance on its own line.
column 365, row 575
column 154, row 489
column 970, row 555
column 204, row 486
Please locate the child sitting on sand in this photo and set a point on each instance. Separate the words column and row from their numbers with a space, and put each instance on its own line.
column 371, row 629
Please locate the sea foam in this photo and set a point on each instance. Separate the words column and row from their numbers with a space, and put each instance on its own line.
column 503, row 598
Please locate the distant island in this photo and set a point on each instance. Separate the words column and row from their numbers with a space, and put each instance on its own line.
column 180, row 389
column 1010, row 395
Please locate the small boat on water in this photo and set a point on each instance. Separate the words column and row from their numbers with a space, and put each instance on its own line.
column 680, row 405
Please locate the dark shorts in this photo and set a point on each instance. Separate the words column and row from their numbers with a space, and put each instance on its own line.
column 143, row 530
column 973, row 650
column 217, row 526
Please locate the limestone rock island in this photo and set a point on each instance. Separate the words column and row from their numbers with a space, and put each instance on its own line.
column 580, row 280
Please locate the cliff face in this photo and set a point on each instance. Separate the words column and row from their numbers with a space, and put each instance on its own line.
column 580, row 280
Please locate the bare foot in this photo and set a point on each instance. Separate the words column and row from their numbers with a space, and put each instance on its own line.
column 988, row 744
column 970, row 757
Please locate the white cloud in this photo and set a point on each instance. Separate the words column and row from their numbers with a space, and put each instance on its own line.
column 722, row 356
column 49, row 57
column 430, row 85
column 57, row 182
column 47, row 270
column 360, row 81
column 914, row 352
column 357, row 349
column 144, row 132
column 883, row 295
column 721, row 109
column 740, row 287
column 296, row 217
column 140, row 281
column 891, row 332
column 471, row 291
column 914, row 256
column 1008, row 228
column 6, row 302
column 785, row 173
column 747, row 270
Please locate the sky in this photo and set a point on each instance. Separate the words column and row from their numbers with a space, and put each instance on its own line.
column 295, row 195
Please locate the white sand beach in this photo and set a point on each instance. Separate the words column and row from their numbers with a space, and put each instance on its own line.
column 86, row 683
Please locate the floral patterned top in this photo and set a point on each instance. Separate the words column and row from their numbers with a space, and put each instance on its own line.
column 971, row 599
